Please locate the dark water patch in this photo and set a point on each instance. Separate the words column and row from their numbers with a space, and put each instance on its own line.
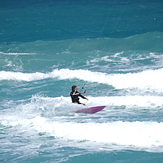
column 27, row 21
column 116, row 157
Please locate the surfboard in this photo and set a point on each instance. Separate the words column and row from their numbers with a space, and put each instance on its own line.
column 90, row 110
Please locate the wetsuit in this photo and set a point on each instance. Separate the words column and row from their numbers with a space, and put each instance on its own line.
column 75, row 97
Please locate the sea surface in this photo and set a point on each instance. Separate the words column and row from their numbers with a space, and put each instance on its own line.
column 112, row 48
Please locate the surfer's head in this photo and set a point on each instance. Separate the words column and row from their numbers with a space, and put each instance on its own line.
column 74, row 87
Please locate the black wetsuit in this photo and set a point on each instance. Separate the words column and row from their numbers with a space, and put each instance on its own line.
column 75, row 97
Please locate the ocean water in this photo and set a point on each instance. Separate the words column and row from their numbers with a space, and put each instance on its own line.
column 112, row 48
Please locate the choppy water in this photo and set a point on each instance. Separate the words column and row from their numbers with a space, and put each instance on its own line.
column 115, row 48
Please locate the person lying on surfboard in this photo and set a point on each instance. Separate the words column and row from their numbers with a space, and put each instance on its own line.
column 75, row 95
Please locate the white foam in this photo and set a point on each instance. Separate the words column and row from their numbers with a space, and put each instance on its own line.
column 38, row 116
column 105, row 58
column 146, row 136
column 138, row 134
column 60, row 107
column 148, row 79
column 109, row 58
column 119, row 53
column 9, row 75
column 129, row 101
column 132, row 60
column 17, row 53
column 15, row 66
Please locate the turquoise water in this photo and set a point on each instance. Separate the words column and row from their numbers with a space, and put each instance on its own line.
column 114, row 48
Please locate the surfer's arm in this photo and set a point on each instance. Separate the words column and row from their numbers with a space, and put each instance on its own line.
column 83, row 96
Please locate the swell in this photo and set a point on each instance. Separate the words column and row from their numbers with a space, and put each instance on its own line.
column 151, row 41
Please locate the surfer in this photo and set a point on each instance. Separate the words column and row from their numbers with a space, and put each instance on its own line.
column 75, row 95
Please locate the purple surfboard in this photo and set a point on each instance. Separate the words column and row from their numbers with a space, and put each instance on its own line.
column 90, row 110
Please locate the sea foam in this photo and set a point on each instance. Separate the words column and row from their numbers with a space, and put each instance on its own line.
column 148, row 79
column 146, row 136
